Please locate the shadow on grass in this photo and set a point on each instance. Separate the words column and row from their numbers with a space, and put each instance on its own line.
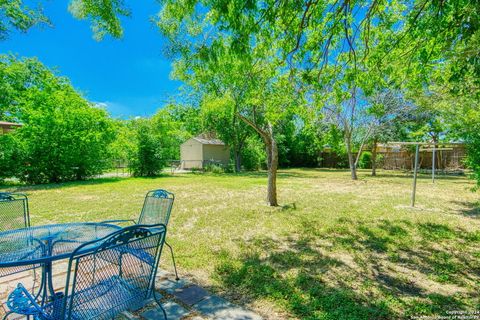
column 470, row 209
column 292, row 278
column 285, row 173
column 420, row 176
column 93, row 181
column 303, row 173
column 17, row 186
column 362, row 270
column 362, row 174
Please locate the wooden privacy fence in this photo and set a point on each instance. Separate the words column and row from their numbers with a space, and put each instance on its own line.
column 403, row 159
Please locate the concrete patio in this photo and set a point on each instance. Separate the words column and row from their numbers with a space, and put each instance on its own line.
column 181, row 299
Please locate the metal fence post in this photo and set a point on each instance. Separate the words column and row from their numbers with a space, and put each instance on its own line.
column 433, row 164
column 415, row 175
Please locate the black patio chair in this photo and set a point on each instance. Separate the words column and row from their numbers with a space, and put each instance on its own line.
column 105, row 277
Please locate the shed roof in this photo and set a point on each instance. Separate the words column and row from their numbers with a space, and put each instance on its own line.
column 202, row 140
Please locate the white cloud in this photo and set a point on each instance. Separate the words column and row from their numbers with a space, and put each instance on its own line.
column 102, row 105
column 116, row 109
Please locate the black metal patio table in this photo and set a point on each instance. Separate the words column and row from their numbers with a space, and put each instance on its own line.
column 42, row 245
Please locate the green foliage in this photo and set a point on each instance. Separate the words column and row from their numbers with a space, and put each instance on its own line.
column 230, row 167
column 10, row 156
column 463, row 114
column 103, row 15
column 253, row 155
column 146, row 160
column 444, row 71
column 15, row 14
column 185, row 117
column 264, row 62
column 173, row 125
column 148, row 144
column 17, row 78
column 333, row 138
column 473, row 156
column 300, row 143
column 124, row 143
column 63, row 136
column 76, row 136
column 219, row 116
column 365, row 161
column 242, row 71
column 214, row 168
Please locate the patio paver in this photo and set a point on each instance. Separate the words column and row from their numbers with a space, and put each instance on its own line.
column 174, row 312
column 191, row 294
column 181, row 300
column 171, row 285
column 218, row 308
column 143, row 304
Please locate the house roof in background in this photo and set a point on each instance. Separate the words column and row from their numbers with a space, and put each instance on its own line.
column 10, row 124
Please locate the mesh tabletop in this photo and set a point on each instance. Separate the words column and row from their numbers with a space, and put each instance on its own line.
column 48, row 243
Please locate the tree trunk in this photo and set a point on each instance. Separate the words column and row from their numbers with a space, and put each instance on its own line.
column 272, row 158
column 353, row 168
column 238, row 159
column 351, row 160
column 238, row 152
column 272, row 165
column 374, row 157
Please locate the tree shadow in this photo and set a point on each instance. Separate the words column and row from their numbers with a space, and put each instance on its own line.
column 420, row 176
column 284, row 173
column 71, row 184
column 291, row 275
column 361, row 270
column 280, row 174
column 470, row 209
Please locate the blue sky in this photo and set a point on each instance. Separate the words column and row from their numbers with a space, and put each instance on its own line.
column 129, row 76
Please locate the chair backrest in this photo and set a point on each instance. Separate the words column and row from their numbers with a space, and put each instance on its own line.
column 118, row 274
column 13, row 211
column 157, row 207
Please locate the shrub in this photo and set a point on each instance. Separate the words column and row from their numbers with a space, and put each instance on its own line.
column 63, row 136
column 253, row 154
column 380, row 160
column 146, row 159
column 214, row 168
column 63, row 139
column 230, row 168
column 10, row 157
column 473, row 157
column 365, row 161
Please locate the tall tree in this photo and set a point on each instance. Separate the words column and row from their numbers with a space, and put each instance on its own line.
column 263, row 91
column 219, row 114
column 390, row 115
column 63, row 137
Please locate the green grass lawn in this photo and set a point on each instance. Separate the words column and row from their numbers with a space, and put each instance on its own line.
column 336, row 249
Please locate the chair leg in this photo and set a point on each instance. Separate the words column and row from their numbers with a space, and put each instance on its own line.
column 159, row 304
column 173, row 259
